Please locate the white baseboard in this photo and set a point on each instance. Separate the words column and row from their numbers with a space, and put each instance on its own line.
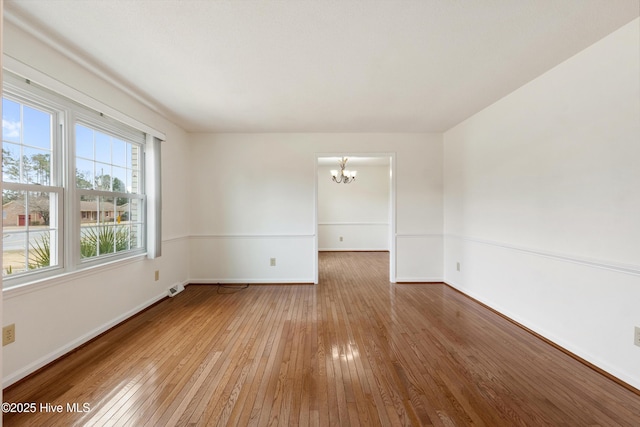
column 270, row 281
column 353, row 249
column 419, row 279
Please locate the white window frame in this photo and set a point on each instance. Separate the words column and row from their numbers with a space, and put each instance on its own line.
column 100, row 124
column 68, row 112
column 14, row 91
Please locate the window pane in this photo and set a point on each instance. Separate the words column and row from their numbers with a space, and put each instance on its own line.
column 88, row 241
column 10, row 162
column 103, row 177
column 119, row 182
column 122, row 210
column 41, row 230
column 39, row 208
column 14, row 209
column 14, row 249
column 14, row 252
column 27, row 144
column 84, row 174
column 89, row 210
column 119, row 152
column 11, row 123
column 36, row 166
column 107, row 210
column 29, row 237
column 103, row 147
column 40, row 249
column 37, row 128
column 123, row 238
column 94, row 237
column 84, row 142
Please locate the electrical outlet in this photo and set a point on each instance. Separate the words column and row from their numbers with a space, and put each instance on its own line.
column 273, row 262
column 341, row 239
column 636, row 339
column 458, row 266
column 157, row 276
column 8, row 334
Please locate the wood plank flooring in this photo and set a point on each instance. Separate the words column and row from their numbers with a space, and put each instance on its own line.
column 354, row 350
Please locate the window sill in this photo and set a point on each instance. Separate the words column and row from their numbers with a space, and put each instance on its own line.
column 59, row 279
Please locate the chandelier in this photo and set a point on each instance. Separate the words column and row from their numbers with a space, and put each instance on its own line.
column 345, row 176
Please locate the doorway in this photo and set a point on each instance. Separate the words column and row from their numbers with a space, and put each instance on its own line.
column 360, row 215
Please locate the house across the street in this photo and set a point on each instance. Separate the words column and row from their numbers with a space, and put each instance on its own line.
column 14, row 213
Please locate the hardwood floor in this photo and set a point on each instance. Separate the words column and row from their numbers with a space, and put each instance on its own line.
column 354, row 350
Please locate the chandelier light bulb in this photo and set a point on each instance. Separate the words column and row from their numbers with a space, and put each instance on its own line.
column 344, row 176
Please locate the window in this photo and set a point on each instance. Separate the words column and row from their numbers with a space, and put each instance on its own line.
column 31, row 190
column 73, row 185
column 109, row 189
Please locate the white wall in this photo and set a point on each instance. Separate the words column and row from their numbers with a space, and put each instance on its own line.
column 359, row 212
column 253, row 198
column 57, row 315
column 542, row 205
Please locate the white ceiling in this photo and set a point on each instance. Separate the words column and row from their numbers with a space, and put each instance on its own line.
column 321, row 66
